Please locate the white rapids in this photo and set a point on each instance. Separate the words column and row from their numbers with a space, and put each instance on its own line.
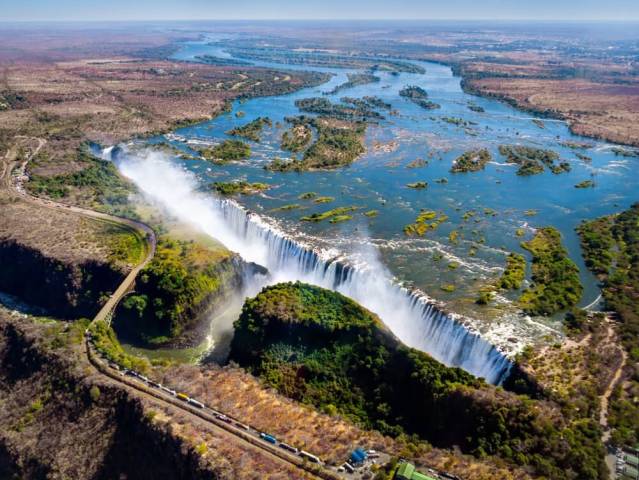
column 413, row 317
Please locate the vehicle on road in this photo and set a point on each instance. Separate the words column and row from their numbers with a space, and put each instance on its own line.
column 310, row 457
column 288, row 447
column 195, row 403
column 268, row 438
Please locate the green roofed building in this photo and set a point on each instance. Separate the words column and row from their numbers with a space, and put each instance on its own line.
column 631, row 459
column 406, row 471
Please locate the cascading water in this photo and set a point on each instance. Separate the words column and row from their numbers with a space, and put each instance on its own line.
column 414, row 319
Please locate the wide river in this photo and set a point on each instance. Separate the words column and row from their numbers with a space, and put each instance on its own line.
column 504, row 203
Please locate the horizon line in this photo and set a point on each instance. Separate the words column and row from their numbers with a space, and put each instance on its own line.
column 316, row 20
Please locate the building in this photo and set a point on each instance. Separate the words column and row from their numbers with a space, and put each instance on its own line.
column 358, row 456
column 631, row 459
column 406, row 471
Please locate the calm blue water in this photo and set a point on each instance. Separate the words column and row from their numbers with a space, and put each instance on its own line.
column 378, row 181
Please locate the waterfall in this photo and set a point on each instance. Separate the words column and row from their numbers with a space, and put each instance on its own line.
column 413, row 317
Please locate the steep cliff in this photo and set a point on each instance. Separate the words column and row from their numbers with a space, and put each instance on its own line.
column 65, row 288
column 61, row 261
column 60, row 418
column 59, row 422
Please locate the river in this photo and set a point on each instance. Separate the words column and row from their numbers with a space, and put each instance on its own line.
column 502, row 201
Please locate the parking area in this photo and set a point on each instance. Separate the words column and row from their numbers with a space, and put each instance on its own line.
column 627, row 464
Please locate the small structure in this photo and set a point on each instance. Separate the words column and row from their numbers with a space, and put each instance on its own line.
column 358, row 456
column 406, row 471
column 631, row 460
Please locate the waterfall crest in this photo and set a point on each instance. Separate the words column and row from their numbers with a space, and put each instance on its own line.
column 413, row 317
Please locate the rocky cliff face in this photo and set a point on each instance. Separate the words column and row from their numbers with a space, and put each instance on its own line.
column 56, row 423
column 66, row 289
column 231, row 274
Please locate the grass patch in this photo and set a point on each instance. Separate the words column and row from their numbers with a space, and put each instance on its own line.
column 126, row 245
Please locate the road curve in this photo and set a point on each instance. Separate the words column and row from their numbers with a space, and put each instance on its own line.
column 146, row 231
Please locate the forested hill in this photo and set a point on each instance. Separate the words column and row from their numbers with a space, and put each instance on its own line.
column 321, row 348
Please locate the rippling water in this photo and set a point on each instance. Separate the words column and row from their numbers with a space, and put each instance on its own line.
column 378, row 181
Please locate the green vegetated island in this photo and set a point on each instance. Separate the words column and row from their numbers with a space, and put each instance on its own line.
column 333, row 139
column 531, row 161
column 417, row 163
column 252, row 130
column 298, row 137
column 418, row 96
column 471, row 161
column 321, row 348
column 611, row 249
column 238, row 187
column 354, row 80
column 426, row 220
column 343, row 111
column 556, row 284
column 336, row 215
column 585, row 184
column 227, row 151
column 321, row 59
column 338, row 143
column 222, row 62
column 511, row 279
